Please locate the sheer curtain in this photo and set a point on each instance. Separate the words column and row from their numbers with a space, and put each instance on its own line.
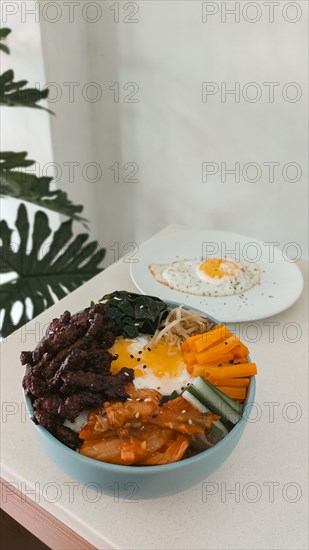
column 140, row 141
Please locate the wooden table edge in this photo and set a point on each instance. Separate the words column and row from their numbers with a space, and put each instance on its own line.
column 50, row 530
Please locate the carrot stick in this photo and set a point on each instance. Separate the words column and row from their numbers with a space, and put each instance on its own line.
column 239, row 360
column 231, row 382
column 234, row 371
column 199, row 370
column 189, row 358
column 187, row 345
column 215, row 353
column 211, row 338
column 218, row 361
column 234, row 393
column 241, row 350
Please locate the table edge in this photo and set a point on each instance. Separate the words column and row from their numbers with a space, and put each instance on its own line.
column 46, row 527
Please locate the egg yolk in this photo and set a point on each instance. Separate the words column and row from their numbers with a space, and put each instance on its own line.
column 218, row 268
column 161, row 359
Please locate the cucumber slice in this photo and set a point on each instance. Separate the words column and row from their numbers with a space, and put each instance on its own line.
column 214, row 435
column 201, row 443
column 217, row 423
column 194, row 401
column 200, row 383
column 211, row 399
column 174, row 394
column 214, row 405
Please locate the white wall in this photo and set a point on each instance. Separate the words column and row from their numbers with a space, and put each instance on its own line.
column 170, row 132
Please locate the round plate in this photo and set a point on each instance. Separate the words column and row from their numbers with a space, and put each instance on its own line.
column 281, row 280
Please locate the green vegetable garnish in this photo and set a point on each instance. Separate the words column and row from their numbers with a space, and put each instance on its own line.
column 134, row 314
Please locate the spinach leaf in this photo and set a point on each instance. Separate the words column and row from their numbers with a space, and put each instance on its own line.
column 133, row 313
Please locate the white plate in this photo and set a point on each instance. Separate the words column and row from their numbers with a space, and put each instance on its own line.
column 281, row 280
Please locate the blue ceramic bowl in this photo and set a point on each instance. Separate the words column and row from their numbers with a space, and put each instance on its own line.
column 138, row 482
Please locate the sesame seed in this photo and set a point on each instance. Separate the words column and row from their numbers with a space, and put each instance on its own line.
column 189, row 421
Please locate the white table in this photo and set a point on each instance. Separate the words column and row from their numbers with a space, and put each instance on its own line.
column 267, row 471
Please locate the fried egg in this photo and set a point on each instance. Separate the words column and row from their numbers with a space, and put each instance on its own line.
column 213, row 277
column 160, row 367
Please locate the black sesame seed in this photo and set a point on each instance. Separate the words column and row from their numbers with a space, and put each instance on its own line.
column 132, row 356
column 138, row 359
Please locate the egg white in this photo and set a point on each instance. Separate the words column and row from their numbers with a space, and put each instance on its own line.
column 186, row 276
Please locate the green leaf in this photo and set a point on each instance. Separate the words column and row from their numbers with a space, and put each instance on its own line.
column 4, row 48
column 4, row 32
column 28, row 187
column 134, row 313
column 42, row 278
column 14, row 94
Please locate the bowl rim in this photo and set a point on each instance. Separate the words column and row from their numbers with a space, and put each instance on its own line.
column 139, row 470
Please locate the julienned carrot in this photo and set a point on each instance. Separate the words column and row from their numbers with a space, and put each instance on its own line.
column 241, row 350
column 189, row 358
column 199, row 370
column 211, row 338
column 187, row 345
column 232, row 382
column 234, row 393
column 215, row 353
column 234, row 371
column 219, row 356
column 239, row 360
column 218, row 361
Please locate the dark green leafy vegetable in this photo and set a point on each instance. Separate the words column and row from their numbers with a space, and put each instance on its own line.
column 133, row 313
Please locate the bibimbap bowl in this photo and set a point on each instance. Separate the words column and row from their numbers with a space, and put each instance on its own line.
column 146, row 482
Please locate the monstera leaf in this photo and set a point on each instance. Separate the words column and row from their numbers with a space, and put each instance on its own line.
column 38, row 277
column 18, row 184
column 4, row 32
column 13, row 94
